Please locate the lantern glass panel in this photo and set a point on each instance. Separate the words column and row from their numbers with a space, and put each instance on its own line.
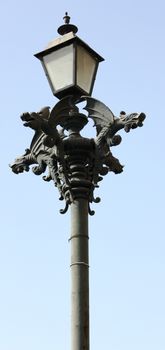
column 59, row 67
column 86, row 67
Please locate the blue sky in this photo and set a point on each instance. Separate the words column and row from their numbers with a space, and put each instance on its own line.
column 127, row 242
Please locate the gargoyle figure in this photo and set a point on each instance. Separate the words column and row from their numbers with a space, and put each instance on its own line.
column 46, row 143
column 107, row 125
column 33, row 155
column 46, row 149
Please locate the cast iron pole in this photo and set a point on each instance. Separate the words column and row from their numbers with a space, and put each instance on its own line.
column 79, row 275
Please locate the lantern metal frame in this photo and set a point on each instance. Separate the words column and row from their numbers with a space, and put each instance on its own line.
column 65, row 41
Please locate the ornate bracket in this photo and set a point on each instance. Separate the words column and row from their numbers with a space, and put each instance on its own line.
column 75, row 164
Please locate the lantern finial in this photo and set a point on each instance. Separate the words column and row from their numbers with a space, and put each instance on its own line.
column 66, row 18
column 67, row 27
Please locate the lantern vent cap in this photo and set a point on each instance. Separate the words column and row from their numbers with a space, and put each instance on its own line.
column 67, row 27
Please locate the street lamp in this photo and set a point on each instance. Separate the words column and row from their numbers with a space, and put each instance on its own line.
column 75, row 164
column 69, row 63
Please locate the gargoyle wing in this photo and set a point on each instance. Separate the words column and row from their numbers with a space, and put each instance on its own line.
column 99, row 112
column 61, row 111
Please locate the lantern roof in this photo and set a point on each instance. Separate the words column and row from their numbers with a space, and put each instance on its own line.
column 68, row 32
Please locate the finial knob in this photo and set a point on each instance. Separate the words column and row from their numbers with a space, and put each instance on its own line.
column 67, row 27
column 66, row 18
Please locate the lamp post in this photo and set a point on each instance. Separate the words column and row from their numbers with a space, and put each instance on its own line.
column 75, row 164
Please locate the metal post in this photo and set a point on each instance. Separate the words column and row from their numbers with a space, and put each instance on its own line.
column 79, row 275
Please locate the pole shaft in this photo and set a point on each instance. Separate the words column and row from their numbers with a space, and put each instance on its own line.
column 79, row 275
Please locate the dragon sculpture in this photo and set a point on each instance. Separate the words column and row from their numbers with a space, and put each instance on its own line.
column 75, row 164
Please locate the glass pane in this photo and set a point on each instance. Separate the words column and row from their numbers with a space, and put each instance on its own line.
column 59, row 66
column 86, row 65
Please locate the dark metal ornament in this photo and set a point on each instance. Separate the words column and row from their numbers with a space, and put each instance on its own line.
column 75, row 164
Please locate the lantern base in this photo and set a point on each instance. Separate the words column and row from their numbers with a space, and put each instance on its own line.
column 75, row 91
